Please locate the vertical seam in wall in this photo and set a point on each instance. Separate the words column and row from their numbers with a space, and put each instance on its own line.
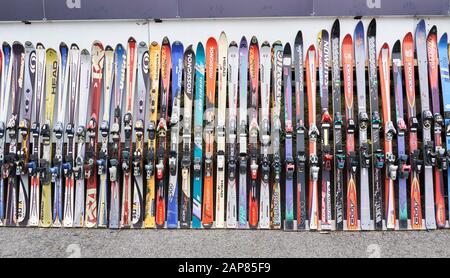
column 43, row 10
column 148, row 31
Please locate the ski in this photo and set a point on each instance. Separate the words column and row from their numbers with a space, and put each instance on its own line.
column 162, row 134
column 189, row 71
column 130, row 85
column 441, row 159
column 377, row 150
column 413, row 125
column 288, row 130
column 277, row 67
column 253, row 62
column 427, row 120
column 339, row 154
column 221, row 115
column 300, row 131
column 264, row 194
column 102, row 161
column 363, row 122
column 243, row 71
column 115, row 134
column 5, row 95
column 233, row 65
column 51, row 81
column 445, row 88
column 389, row 132
column 313, row 134
column 90, row 169
column 78, row 167
column 12, row 130
column 323, row 57
column 211, row 71
column 67, row 166
column 172, row 192
column 137, row 216
column 58, row 132
column 352, row 164
column 154, row 49
column 33, row 163
column 198, row 136
column 23, row 154
column 403, row 166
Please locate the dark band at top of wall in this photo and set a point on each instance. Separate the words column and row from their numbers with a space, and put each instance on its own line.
column 33, row 10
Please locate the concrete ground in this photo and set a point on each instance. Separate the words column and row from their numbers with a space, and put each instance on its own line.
column 37, row 242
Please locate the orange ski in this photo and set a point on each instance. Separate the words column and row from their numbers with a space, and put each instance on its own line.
column 211, row 66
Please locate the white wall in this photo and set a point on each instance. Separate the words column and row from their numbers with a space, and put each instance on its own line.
column 389, row 29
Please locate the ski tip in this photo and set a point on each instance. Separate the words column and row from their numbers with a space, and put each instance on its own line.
column 347, row 39
column 420, row 28
column 396, row 47
column 408, row 38
column 62, row 45
column 189, row 49
column 421, row 23
column 287, row 49
column 443, row 40
column 74, row 46
column 223, row 36
column 50, row 51
column 335, row 30
column 299, row 38
column 265, row 44
column 154, row 43
column 211, row 41
column 433, row 31
column 38, row 45
column 233, row 44
column 177, row 46
column 372, row 29
column 277, row 44
column 131, row 40
column 384, row 46
column 243, row 42
column 311, row 48
column 109, row 48
column 254, row 40
column 97, row 44
column 119, row 47
column 17, row 43
column 28, row 44
column 143, row 44
column 200, row 52
column 165, row 40
column 18, row 47
column 359, row 27
column 84, row 52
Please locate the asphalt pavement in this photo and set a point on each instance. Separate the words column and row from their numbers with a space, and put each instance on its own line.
column 39, row 242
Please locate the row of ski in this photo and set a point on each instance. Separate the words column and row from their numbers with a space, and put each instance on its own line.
column 65, row 161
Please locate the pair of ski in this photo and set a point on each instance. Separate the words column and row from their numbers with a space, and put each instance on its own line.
column 229, row 61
